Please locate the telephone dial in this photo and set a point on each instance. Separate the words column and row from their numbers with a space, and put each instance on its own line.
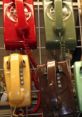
column 57, row 86
column 59, row 24
column 19, row 24
column 78, row 82
column 18, row 80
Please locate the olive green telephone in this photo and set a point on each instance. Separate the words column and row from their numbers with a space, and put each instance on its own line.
column 59, row 24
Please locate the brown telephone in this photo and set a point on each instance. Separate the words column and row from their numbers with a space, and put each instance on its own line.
column 59, row 90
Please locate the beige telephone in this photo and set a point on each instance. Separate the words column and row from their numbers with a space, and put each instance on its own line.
column 18, row 80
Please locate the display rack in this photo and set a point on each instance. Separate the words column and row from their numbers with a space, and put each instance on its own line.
column 41, row 54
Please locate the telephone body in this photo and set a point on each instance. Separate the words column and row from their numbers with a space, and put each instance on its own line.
column 63, row 86
column 19, row 24
column 59, row 24
column 58, row 87
column 18, row 80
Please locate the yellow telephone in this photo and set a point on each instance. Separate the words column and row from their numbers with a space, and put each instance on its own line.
column 18, row 80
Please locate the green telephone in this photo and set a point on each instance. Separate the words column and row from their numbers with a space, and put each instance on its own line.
column 78, row 82
column 59, row 23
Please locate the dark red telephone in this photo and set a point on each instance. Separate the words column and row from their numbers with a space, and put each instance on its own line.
column 19, row 24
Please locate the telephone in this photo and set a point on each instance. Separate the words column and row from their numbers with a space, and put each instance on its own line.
column 19, row 24
column 18, row 79
column 59, row 89
column 59, row 24
column 78, row 82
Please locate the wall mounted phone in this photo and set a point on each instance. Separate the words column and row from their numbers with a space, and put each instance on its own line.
column 59, row 88
column 18, row 80
column 19, row 24
column 63, row 86
column 78, row 82
column 59, row 23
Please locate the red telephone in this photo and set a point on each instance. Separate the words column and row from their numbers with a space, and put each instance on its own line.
column 19, row 24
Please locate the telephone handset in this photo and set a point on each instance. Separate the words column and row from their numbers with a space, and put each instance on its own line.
column 18, row 23
column 51, row 75
column 78, row 82
column 45, row 96
column 59, row 22
column 59, row 89
column 18, row 80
